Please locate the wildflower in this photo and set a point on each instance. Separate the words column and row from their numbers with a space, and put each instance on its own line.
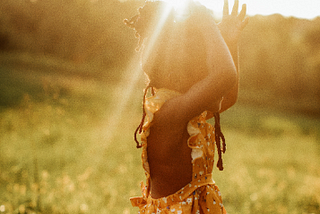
column 2, row 208
column 84, row 208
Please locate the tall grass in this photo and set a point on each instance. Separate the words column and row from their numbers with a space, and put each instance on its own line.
column 272, row 163
column 69, row 153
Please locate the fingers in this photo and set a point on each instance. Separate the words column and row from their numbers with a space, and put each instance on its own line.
column 226, row 8
column 235, row 8
column 244, row 23
column 243, row 12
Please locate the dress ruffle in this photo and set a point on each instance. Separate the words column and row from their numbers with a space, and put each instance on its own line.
column 201, row 193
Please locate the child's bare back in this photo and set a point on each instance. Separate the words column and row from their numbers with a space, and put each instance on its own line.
column 169, row 154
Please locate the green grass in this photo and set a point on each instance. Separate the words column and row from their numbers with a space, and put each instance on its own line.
column 72, row 151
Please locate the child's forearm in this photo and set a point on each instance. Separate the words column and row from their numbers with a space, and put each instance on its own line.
column 234, row 50
column 231, row 97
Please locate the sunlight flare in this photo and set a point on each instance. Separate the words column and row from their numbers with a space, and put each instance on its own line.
column 124, row 91
column 157, row 31
column 180, row 5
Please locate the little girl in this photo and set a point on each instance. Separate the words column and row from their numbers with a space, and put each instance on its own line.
column 191, row 66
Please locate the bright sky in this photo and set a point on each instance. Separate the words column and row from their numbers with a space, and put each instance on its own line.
column 308, row 9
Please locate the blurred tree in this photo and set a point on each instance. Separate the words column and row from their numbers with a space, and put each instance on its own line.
column 78, row 30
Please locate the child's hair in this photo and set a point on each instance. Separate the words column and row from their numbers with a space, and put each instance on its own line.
column 146, row 20
column 176, row 58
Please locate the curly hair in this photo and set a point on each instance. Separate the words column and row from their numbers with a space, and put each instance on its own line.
column 147, row 18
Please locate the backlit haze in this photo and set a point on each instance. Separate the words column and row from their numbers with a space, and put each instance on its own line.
column 307, row 9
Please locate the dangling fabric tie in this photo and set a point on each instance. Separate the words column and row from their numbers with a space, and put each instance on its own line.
column 139, row 128
column 218, row 137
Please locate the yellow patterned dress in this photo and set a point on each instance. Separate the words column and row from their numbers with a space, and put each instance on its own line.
column 201, row 195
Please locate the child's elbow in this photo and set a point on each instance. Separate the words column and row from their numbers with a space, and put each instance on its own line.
column 229, row 99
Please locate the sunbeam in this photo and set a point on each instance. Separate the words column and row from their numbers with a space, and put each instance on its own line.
column 124, row 90
column 153, row 39
column 180, row 5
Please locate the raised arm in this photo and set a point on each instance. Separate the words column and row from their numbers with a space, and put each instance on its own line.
column 221, row 79
column 231, row 27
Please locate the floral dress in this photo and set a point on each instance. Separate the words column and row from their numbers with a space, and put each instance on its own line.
column 201, row 195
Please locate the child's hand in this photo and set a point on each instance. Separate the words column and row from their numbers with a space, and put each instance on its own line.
column 232, row 24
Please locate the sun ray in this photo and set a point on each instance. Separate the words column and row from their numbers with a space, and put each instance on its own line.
column 123, row 92
column 180, row 4
column 157, row 31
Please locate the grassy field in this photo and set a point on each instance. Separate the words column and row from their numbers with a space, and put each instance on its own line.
column 66, row 146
